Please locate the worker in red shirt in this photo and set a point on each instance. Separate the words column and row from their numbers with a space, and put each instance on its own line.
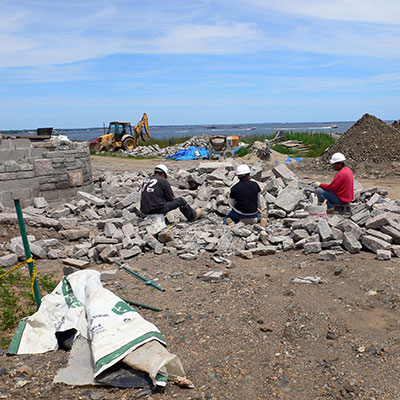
column 341, row 189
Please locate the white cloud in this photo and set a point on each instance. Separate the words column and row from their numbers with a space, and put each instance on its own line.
column 41, row 33
column 383, row 11
column 219, row 38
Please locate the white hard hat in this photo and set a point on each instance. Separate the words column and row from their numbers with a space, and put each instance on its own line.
column 161, row 168
column 337, row 157
column 242, row 170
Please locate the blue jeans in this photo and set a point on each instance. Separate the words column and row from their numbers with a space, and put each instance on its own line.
column 236, row 217
column 328, row 195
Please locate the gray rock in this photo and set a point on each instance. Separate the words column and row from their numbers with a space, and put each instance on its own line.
column 38, row 251
column 128, row 230
column 330, row 255
column 313, row 247
column 165, row 236
column 394, row 233
column 350, row 243
column 383, row 255
column 97, row 201
column 108, row 252
column 378, row 221
column 374, row 244
column 9, row 260
column 264, row 250
column 40, row 202
column 361, row 217
column 282, row 171
column 324, row 230
column 379, row 235
column 74, row 234
column 288, row 198
column 299, row 234
column 129, row 253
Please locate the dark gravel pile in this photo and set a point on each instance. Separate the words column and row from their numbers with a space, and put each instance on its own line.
column 369, row 140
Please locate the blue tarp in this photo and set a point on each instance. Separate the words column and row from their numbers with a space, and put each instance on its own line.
column 192, row 153
column 290, row 159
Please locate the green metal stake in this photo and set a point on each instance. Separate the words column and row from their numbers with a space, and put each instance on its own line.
column 135, row 303
column 149, row 282
column 28, row 254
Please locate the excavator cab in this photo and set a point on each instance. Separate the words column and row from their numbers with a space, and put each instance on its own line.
column 121, row 134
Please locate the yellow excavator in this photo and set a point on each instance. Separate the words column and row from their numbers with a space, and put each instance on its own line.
column 121, row 134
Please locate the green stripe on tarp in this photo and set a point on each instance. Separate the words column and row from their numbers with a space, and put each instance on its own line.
column 161, row 378
column 117, row 353
column 16, row 340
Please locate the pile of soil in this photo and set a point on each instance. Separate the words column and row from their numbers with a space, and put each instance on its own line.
column 369, row 140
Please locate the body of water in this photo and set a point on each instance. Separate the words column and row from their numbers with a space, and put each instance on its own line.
column 169, row 131
column 166, row 132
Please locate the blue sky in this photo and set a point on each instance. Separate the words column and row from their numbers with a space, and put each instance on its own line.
column 70, row 64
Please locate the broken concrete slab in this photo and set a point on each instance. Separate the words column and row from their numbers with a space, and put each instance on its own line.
column 74, row 234
column 350, row 243
column 288, row 198
column 373, row 243
column 9, row 260
column 75, row 263
column 97, row 201
column 324, row 230
column 383, row 255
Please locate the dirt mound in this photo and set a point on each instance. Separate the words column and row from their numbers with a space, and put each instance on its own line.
column 369, row 140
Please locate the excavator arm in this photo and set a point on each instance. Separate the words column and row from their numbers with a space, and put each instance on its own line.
column 138, row 129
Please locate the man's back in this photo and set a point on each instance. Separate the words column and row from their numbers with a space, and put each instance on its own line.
column 156, row 191
column 245, row 193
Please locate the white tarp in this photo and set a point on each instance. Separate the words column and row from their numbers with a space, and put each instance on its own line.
column 111, row 326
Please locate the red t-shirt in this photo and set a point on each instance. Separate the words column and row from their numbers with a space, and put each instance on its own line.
column 342, row 185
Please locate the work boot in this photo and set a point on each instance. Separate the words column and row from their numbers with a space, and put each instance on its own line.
column 264, row 221
column 198, row 214
column 230, row 222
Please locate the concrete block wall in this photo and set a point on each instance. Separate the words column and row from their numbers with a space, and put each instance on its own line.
column 43, row 169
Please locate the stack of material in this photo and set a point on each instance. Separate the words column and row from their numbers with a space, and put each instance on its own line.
column 295, row 145
column 107, row 227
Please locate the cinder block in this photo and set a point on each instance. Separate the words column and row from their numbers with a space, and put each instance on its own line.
column 21, row 144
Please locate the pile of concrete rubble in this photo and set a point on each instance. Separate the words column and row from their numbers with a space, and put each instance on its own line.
column 156, row 151
column 107, row 226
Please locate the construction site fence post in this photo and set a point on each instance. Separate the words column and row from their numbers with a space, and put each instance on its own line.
column 27, row 249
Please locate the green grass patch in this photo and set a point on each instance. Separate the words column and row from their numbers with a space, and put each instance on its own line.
column 317, row 142
column 16, row 301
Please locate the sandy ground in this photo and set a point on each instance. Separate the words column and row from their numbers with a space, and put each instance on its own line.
column 254, row 334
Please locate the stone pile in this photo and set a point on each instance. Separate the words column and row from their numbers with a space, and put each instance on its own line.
column 107, row 226
column 156, row 151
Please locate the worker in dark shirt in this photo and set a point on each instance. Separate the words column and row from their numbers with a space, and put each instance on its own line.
column 244, row 198
column 158, row 198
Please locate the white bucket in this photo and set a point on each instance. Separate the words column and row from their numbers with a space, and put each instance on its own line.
column 319, row 211
column 156, row 219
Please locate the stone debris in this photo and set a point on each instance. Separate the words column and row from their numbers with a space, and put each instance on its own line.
column 107, row 226
column 156, row 151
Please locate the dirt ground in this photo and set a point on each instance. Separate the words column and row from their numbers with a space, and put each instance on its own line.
column 254, row 334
